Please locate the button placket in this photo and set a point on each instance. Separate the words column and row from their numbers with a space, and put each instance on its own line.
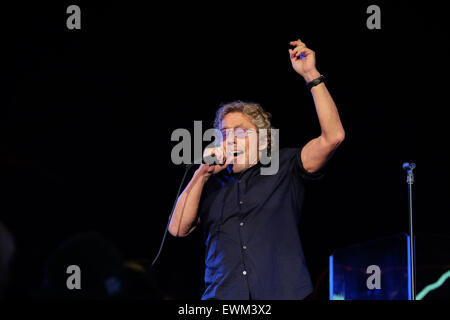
column 242, row 231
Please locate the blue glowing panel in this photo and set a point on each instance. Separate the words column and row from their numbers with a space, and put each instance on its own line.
column 374, row 270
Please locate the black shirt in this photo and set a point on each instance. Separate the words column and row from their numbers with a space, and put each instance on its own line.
column 250, row 224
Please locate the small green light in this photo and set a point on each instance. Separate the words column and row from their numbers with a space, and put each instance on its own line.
column 338, row 297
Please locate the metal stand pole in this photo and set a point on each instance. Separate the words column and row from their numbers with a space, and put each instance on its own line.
column 410, row 180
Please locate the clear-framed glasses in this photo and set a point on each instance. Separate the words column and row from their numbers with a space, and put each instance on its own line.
column 238, row 132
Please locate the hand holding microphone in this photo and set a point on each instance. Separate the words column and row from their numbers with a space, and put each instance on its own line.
column 216, row 160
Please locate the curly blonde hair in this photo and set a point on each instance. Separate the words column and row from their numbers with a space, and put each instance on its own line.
column 259, row 117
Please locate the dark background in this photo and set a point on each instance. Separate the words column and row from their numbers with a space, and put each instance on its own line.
column 88, row 115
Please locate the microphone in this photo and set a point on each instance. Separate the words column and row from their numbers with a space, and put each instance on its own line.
column 409, row 166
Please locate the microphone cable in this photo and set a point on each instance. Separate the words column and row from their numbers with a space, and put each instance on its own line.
column 188, row 167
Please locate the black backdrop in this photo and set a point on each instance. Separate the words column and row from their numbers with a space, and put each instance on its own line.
column 88, row 116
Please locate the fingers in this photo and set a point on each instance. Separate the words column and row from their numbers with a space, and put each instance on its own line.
column 303, row 51
column 295, row 53
column 307, row 52
column 291, row 54
column 297, row 43
column 220, row 154
column 226, row 161
column 207, row 152
column 214, row 152
column 300, row 52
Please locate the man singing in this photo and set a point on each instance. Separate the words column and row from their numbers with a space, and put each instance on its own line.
column 250, row 221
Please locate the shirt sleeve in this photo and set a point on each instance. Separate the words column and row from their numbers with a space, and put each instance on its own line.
column 294, row 156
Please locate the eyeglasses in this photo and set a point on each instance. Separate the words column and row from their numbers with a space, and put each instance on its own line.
column 239, row 132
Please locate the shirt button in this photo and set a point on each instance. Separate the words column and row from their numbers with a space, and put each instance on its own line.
column 244, row 247
column 241, row 202
column 241, row 224
column 244, row 272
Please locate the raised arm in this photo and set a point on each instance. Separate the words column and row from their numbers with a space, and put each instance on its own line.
column 319, row 150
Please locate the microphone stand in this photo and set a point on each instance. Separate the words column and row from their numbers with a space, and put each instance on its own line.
column 410, row 180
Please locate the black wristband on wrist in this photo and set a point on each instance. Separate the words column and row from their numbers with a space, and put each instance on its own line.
column 315, row 82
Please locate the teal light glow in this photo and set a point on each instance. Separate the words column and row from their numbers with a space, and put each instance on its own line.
column 331, row 283
column 433, row 286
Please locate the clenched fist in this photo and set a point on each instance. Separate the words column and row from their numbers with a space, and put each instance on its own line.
column 220, row 153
